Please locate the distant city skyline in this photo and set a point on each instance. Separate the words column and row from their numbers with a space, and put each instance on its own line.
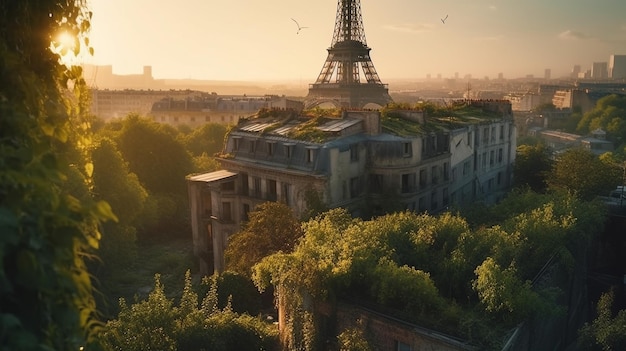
column 247, row 40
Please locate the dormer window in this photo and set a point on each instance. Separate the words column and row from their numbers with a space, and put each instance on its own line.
column 252, row 145
column 407, row 149
column 289, row 150
column 310, row 154
column 236, row 143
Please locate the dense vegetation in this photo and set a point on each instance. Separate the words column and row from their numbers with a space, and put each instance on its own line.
column 48, row 218
column 194, row 324
column 609, row 114
column 69, row 193
column 438, row 271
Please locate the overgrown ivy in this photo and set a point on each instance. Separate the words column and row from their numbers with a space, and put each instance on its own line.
column 48, row 220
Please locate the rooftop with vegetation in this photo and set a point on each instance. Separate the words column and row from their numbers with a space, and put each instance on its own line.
column 305, row 125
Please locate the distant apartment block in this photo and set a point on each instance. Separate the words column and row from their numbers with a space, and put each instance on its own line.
column 599, row 70
column 617, row 66
column 574, row 98
column 547, row 74
column 523, row 102
column 194, row 111
column 109, row 104
column 360, row 161
column 575, row 71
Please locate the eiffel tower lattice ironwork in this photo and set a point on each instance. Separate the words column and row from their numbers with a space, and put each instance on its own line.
column 340, row 81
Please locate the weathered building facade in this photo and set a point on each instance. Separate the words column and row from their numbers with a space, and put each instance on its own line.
column 360, row 161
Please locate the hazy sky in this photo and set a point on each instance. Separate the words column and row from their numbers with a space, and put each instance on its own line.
column 257, row 40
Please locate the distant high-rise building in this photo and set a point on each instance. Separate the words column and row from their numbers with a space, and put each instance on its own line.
column 617, row 66
column 456, row 75
column 547, row 73
column 575, row 71
column 500, row 75
column 599, row 70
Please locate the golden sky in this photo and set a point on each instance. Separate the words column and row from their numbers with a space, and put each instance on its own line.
column 258, row 40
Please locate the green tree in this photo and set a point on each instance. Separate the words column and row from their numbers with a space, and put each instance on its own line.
column 154, row 153
column 207, row 139
column 271, row 227
column 160, row 161
column 114, row 183
column 159, row 324
column 609, row 114
column 502, row 291
column 532, row 164
column 353, row 339
column 608, row 331
column 45, row 289
column 580, row 171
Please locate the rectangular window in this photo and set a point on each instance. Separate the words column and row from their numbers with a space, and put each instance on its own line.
column 446, row 171
column 270, row 148
column 257, row 187
column 435, row 175
column 310, row 155
column 244, row 214
column 354, row 152
column 236, row 142
column 500, row 155
column 466, row 168
column 493, row 133
column 433, row 201
column 484, row 159
column 405, row 183
column 271, row 190
column 244, row 184
column 407, row 150
column 492, row 157
column 288, row 151
column 286, row 193
column 423, row 180
column 469, row 138
column 252, row 145
column 502, row 132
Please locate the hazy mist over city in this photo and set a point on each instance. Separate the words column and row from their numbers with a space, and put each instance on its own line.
column 246, row 40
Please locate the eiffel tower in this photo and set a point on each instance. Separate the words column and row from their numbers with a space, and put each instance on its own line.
column 339, row 82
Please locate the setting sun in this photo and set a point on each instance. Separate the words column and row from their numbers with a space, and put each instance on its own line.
column 64, row 44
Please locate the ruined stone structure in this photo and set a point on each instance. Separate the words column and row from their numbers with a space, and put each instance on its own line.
column 359, row 161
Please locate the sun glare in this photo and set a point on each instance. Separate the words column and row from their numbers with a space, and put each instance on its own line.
column 64, row 45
